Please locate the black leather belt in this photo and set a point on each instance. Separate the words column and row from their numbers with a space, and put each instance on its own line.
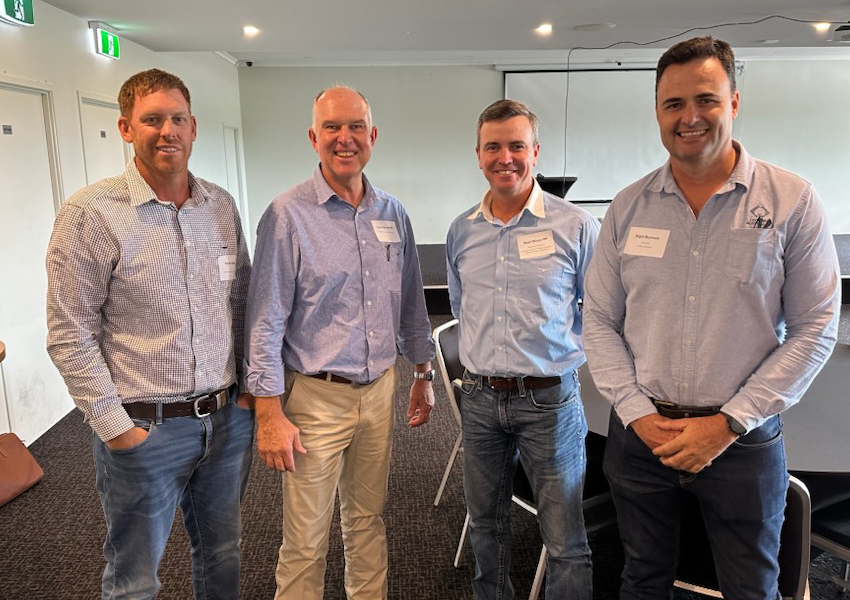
column 337, row 379
column 510, row 384
column 679, row 411
column 199, row 406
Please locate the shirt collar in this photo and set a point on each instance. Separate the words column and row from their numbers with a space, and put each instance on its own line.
column 534, row 204
column 742, row 174
column 141, row 192
column 324, row 191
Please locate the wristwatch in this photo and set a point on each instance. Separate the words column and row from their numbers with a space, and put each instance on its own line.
column 734, row 425
column 426, row 375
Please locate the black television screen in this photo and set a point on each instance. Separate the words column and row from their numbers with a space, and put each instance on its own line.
column 556, row 185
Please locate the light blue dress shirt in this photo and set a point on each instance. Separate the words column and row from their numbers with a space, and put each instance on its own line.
column 740, row 311
column 334, row 288
column 518, row 312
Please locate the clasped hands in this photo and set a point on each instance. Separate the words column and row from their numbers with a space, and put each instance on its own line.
column 689, row 444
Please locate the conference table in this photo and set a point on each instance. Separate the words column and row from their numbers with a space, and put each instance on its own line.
column 817, row 429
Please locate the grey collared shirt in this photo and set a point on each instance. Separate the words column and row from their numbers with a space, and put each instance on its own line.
column 145, row 302
column 740, row 310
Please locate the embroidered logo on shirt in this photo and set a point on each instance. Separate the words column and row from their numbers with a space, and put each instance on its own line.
column 759, row 219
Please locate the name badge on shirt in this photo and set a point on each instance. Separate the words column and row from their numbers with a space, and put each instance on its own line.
column 227, row 267
column 646, row 241
column 386, row 231
column 537, row 244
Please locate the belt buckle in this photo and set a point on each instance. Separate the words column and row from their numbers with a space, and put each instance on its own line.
column 196, row 406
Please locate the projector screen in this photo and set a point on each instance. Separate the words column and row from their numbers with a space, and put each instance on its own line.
column 611, row 137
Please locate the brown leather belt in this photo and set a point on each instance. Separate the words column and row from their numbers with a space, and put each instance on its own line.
column 509, row 384
column 336, row 379
column 199, row 406
column 679, row 411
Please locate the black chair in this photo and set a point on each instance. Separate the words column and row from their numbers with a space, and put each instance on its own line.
column 696, row 572
column 597, row 504
column 830, row 493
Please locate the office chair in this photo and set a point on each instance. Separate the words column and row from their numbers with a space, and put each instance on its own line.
column 695, row 570
column 448, row 359
column 830, row 493
column 597, row 504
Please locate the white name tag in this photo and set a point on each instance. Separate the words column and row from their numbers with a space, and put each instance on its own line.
column 227, row 267
column 386, row 231
column 537, row 244
column 646, row 241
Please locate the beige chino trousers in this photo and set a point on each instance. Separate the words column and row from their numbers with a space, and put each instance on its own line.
column 347, row 432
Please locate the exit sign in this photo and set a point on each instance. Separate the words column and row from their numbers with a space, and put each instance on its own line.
column 18, row 12
column 107, row 43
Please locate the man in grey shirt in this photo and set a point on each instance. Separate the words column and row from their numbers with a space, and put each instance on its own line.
column 711, row 304
column 147, row 282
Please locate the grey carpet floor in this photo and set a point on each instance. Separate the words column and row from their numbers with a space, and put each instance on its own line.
column 52, row 535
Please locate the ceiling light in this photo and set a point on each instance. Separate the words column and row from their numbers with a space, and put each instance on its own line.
column 250, row 30
column 544, row 29
column 594, row 27
column 768, row 41
column 821, row 27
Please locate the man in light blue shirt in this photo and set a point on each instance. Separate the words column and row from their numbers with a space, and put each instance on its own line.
column 516, row 265
column 712, row 302
column 337, row 296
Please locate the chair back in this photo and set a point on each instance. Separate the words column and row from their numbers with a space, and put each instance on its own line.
column 446, row 338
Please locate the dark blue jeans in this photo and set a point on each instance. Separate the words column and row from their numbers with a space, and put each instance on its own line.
column 200, row 464
column 742, row 498
column 545, row 429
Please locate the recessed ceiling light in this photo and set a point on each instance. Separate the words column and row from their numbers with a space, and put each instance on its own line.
column 250, row 30
column 594, row 26
column 822, row 26
column 768, row 41
column 544, row 29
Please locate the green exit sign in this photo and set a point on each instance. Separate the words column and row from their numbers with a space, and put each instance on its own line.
column 107, row 43
column 18, row 12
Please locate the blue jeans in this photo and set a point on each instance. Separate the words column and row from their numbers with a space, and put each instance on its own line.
column 202, row 464
column 545, row 429
column 742, row 498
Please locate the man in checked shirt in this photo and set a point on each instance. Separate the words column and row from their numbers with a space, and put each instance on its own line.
column 336, row 296
column 147, row 280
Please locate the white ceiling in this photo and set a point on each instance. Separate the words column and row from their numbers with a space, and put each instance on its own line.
column 332, row 32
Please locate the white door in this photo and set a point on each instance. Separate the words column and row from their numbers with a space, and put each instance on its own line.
column 36, row 396
column 233, row 164
column 104, row 151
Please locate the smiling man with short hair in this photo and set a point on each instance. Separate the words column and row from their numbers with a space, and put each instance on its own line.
column 337, row 295
column 712, row 302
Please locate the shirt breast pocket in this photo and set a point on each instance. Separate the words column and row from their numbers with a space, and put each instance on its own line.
column 542, row 282
column 751, row 255
column 220, row 258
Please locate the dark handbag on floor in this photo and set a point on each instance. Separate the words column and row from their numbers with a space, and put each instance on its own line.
column 18, row 469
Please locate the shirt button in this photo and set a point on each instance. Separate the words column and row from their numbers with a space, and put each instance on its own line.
column 501, row 259
column 498, row 318
column 501, row 288
column 692, row 298
column 371, row 334
column 371, row 363
column 689, row 342
column 696, row 252
column 685, row 385
column 191, row 275
column 366, row 273
column 368, row 303
column 499, row 348
column 363, row 242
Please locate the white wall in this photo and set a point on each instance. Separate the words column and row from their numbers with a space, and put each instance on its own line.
column 56, row 55
column 425, row 152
